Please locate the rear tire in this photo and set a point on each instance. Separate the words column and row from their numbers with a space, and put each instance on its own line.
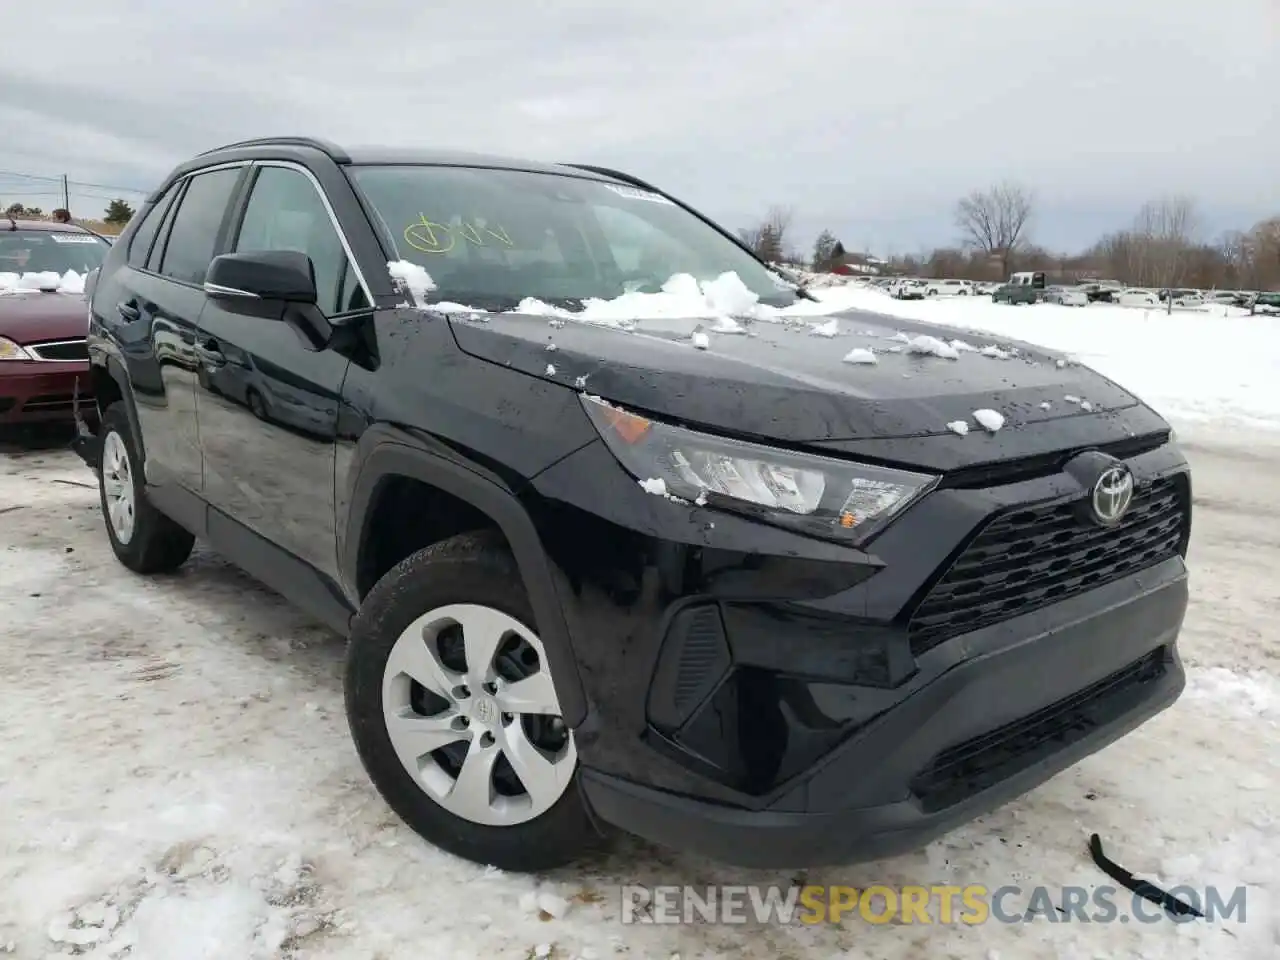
column 142, row 538
column 428, row 696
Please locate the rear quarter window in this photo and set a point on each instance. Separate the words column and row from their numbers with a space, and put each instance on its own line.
column 148, row 227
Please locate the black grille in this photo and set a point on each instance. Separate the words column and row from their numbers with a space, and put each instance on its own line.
column 66, row 350
column 1033, row 556
column 979, row 763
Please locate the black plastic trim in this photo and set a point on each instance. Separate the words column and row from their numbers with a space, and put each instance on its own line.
column 393, row 453
column 294, row 579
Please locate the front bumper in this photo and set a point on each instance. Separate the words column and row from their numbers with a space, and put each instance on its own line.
column 41, row 392
column 990, row 715
column 766, row 698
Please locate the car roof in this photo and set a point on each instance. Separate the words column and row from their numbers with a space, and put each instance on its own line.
column 10, row 224
column 307, row 148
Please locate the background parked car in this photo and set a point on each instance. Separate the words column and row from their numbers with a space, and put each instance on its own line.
column 1066, row 296
column 1101, row 291
column 1229, row 298
column 909, row 290
column 1266, row 303
column 1182, row 298
column 1017, row 293
column 1138, row 297
column 43, row 319
column 949, row 288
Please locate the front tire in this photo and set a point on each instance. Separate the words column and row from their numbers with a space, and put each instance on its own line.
column 454, row 713
column 142, row 538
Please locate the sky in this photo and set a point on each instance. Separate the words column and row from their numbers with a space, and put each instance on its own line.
column 870, row 120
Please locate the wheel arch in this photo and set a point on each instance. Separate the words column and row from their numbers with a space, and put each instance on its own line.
column 111, row 385
column 393, row 456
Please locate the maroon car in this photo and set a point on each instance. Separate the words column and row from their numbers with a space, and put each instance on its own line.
column 43, row 318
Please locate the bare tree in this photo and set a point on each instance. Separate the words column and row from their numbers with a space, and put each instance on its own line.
column 1239, row 256
column 1164, row 232
column 1265, row 241
column 769, row 237
column 995, row 221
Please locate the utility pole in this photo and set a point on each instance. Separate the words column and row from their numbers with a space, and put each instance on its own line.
column 66, row 194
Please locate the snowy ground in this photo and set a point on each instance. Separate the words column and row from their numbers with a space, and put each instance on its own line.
column 1213, row 364
column 178, row 784
column 176, row 768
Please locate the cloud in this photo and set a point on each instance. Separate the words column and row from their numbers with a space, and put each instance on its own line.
column 872, row 118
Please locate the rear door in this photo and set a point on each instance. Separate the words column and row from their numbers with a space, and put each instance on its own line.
column 151, row 307
column 268, row 399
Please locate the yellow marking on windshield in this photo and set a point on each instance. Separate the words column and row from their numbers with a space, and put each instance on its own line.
column 428, row 236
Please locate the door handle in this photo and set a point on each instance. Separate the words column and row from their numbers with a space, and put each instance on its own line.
column 128, row 311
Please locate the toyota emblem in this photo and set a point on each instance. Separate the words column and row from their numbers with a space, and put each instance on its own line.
column 1112, row 495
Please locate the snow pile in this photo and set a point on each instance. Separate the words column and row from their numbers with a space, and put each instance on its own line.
column 860, row 355
column 49, row 280
column 989, row 420
column 959, row 426
column 447, row 306
column 829, row 329
column 1191, row 365
column 724, row 301
column 928, row 346
column 415, row 279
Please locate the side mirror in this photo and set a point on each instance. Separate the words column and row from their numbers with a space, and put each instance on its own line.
column 263, row 275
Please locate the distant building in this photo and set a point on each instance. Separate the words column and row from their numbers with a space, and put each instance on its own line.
column 858, row 264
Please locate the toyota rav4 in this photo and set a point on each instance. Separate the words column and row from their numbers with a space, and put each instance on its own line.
column 615, row 536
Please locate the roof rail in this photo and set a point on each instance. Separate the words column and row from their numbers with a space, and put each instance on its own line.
column 335, row 152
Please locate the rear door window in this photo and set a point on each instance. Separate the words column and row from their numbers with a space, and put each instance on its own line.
column 193, row 238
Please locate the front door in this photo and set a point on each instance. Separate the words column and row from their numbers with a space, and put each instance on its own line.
column 267, row 398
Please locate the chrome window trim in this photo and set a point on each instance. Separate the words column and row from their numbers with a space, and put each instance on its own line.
column 328, row 207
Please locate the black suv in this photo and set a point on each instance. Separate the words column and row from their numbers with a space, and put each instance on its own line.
column 723, row 591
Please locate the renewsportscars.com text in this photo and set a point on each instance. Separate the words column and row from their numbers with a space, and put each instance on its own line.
column 971, row 904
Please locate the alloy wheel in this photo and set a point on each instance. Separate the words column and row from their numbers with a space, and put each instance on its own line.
column 117, row 487
column 472, row 714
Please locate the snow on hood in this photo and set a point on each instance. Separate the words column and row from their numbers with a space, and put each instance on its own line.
column 721, row 306
column 69, row 282
column 720, row 301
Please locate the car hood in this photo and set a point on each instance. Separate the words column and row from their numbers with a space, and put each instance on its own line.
column 33, row 316
column 785, row 382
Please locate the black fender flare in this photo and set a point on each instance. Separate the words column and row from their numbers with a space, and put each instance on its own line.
column 116, row 371
column 397, row 454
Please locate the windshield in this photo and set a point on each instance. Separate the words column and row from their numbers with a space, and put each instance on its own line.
column 46, row 251
column 491, row 238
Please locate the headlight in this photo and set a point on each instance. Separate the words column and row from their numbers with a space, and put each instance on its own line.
column 823, row 497
column 11, row 351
